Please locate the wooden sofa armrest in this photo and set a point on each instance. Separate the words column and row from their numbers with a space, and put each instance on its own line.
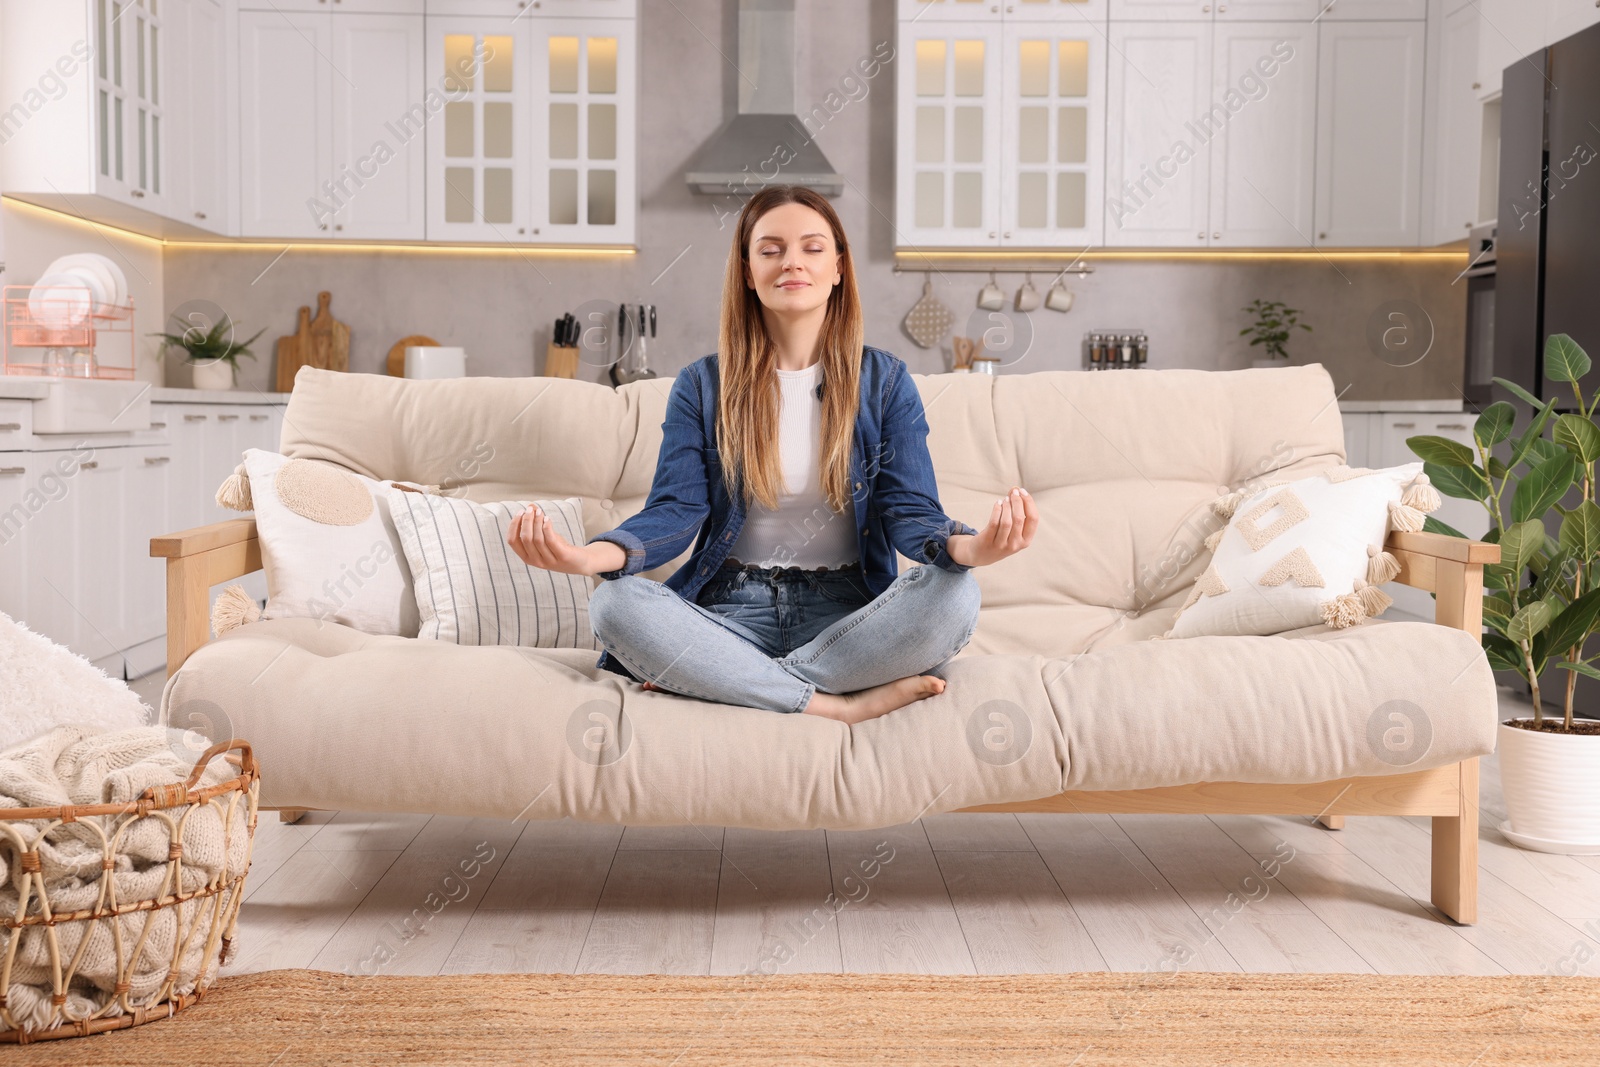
column 1449, row 567
column 198, row 559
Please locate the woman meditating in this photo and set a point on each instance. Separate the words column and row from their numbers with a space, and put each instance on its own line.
column 796, row 460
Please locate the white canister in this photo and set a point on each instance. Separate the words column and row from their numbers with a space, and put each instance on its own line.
column 430, row 361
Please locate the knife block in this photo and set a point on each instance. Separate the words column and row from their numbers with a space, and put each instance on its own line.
column 560, row 361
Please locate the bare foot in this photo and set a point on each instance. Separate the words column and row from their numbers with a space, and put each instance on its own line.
column 879, row 700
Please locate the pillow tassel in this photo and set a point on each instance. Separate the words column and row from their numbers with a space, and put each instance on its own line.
column 1215, row 537
column 1224, row 505
column 1421, row 494
column 1343, row 610
column 234, row 492
column 1374, row 601
column 234, row 608
column 1405, row 517
column 1382, row 566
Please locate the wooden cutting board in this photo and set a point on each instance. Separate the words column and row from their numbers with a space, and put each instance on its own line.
column 396, row 363
column 330, row 338
column 294, row 352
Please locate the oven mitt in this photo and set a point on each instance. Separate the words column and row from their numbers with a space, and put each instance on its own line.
column 928, row 320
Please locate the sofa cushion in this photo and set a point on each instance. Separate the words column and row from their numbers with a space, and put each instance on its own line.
column 342, row 719
column 1123, row 467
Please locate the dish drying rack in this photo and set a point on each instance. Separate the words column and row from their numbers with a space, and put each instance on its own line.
column 98, row 345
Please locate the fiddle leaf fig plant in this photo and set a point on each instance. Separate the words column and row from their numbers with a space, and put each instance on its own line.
column 1541, row 602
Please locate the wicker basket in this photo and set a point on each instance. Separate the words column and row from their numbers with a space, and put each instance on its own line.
column 199, row 921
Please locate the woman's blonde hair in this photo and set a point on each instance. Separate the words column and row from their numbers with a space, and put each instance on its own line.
column 748, row 406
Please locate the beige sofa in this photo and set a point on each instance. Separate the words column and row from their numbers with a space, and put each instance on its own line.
column 1060, row 703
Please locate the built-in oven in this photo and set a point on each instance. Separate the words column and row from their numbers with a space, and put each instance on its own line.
column 1479, row 370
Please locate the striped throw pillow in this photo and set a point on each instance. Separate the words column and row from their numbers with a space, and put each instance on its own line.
column 470, row 586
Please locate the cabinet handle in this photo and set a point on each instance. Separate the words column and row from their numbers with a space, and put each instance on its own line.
column 338, row 226
column 259, row 418
column 151, row 461
column 137, row 192
column 1405, row 425
column 322, row 225
column 1216, row 236
column 158, row 426
column 13, row 470
column 1479, row 85
column 10, row 427
column 88, row 464
column 199, row 214
column 196, row 418
column 1452, row 426
column 227, row 418
column 1008, row 234
column 991, row 234
column 1322, row 237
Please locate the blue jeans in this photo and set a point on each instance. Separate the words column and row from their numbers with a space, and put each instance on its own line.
column 769, row 637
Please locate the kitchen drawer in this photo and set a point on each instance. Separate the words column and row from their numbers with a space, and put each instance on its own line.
column 16, row 424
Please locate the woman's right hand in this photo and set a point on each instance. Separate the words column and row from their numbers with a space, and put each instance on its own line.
column 536, row 543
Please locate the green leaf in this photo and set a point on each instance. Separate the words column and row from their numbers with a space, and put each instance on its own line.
column 1433, row 525
column 1555, row 569
column 1564, row 359
column 1578, row 436
column 1497, row 610
column 1497, row 469
column 1580, row 531
column 1466, row 483
column 1582, row 668
column 1494, row 424
column 1519, row 392
column 1542, row 450
column 1441, row 450
column 1530, row 620
column 1530, row 435
column 1520, row 543
column 1542, row 486
column 1503, row 655
column 1573, row 623
column 1502, row 576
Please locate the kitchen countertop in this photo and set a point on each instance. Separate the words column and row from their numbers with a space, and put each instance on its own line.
column 1441, row 405
column 30, row 387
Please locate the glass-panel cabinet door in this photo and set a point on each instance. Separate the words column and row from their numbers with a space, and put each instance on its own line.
column 1053, row 136
column 477, row 146
column 148, row 108
column 582, row 130
column 113, row 95
column 948, row 134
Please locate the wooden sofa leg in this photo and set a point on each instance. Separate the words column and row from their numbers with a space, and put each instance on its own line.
column 291, row 814
column 1455, row 852
column 1332, row 822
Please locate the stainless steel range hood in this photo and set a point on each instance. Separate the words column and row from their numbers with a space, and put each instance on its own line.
column 765, row 142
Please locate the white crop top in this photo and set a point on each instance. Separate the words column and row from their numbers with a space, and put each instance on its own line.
column 804, row 531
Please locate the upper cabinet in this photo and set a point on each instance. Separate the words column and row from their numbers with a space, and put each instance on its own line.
column 1369, row 133
column 1001, row 126
column 489, row 121
column 969, row 11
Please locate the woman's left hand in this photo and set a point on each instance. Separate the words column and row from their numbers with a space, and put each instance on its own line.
column 1011, row 526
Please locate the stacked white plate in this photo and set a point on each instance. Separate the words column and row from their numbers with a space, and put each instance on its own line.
column 74, row 285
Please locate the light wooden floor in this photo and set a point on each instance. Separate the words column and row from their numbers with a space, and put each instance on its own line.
column 958, row 894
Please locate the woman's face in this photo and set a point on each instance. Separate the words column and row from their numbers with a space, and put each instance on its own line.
column 793, row 262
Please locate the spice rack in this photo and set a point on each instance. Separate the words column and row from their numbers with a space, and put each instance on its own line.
column 45, row 337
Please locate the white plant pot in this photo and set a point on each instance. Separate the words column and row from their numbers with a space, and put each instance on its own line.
column 1552, row 790
column 1268, row 361
column 213, row 374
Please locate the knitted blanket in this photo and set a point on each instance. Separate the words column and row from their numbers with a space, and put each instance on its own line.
column 75, row 764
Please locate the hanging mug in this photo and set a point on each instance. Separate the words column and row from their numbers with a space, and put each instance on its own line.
column 1027, row 296
column 1059, row 298
column 990, row 297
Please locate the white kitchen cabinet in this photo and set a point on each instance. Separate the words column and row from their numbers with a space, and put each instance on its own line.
column 580, row 126
column 1078, row 11
column 1360, row 428
column 1510, row 30
column 378, row 128
column 1263, row 154
column 479, row 152
column 1367, row 10
column 1157, row 185
column 332, row 124
column 200, row 84
column 1369, row 133
column 1160, row 10
column 528, row 9
column 950, row 112
column 286, row 119
column 1273, row 10
column 1052, row 134
column 1458, row 131
column 16, row 559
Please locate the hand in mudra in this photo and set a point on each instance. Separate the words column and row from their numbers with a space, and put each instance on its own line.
column 534, row 539
column 1011, row 527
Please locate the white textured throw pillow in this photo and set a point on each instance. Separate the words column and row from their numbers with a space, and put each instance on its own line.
column 473, row 589
column 1302, row 552
column 328, row 544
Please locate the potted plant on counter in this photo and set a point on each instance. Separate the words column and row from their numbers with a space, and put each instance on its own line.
column 1541, row 602
column 213, row 353
column 1272, row 329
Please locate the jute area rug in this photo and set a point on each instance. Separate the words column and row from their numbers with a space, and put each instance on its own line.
column 295, row 1017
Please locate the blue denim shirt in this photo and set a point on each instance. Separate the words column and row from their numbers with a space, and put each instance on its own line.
column 894, row 498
